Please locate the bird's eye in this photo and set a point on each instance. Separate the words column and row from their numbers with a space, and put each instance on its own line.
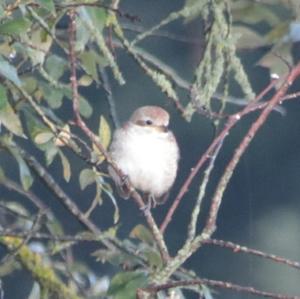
column 149, row 122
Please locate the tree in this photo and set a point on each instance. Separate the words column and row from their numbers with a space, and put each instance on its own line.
column 52, row 54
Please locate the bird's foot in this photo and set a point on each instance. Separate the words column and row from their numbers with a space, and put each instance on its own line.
column 124, row 180
column 150, row 203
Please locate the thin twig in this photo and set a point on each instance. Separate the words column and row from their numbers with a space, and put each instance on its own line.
column 213, row 283
column 236, row 248
column 44, row 175
column 16, row 214
column 163, row 33
column 69, row 273
column 110, row 98
column 291, row 96
column 34, row 228
column 164, row 68
column 231, row 122
column 130, row 17
column 217, row 198
column 202, row 189
column 45, row 26
column 13, row 186
column 184, row 12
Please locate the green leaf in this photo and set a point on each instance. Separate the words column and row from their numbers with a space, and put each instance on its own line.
column 15, row 26
column 125, row 284
column 24, row 172
column 66, row 166
column 3, row 97
column 104, row 138
column 8, row 117
column 34, row 126
column 85, row 80
column 53, row 96
column 17, row 207
column 153, row 257
column 91, row 20
column 98, row 197
column 30, row 84
column 50, row 152
column 54, row 226
column 2, row 11
column 104, row 132
column 64, row 137
column 25, row 175
column 82, row 36
column 112, row 256
column 86, row 178
column 85, row 108
column 89, row 64
column 43, row 137
column 278, row 32
column 55, row 66
column 90, row 60
column 60, row 246
column 142, row 233
column 107, row 189
column 253, row 13
column 278, row 60
column 98, row 16
column 248, row 38
column 2, row 174
column 48, row 4
column 44, row 41
column 9, row 72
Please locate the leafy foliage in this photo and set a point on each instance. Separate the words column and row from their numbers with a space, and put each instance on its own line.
column 36, row 118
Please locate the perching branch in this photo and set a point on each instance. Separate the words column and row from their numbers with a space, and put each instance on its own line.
column 81, row 124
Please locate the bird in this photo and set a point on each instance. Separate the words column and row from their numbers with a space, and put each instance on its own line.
column 147, row 153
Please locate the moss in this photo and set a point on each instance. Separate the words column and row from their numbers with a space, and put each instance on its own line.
column 41, row 272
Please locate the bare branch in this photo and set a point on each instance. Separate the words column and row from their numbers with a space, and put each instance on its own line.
column 231, row 122
column 236, row 248
column 13, row 186
column 213, row 283
column 110, row 98
column 217, row 198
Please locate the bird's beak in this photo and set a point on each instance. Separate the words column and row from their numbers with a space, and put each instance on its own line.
column 163, row 129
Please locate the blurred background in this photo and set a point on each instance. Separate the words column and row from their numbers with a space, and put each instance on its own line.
column 261, row 206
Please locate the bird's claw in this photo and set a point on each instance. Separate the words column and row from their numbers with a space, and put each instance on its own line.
column 151, row 203
column 124, row 180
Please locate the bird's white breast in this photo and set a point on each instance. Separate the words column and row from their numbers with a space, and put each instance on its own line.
column 149, row 157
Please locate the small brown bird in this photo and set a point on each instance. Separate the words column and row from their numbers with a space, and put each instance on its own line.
column 146, row 152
